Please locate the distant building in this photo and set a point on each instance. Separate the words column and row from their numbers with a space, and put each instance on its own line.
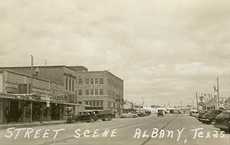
column 227, row 103
column 128, row 106
column 100, row 90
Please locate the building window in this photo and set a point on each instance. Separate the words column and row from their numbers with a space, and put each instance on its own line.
column 101, row 92
column 80, row 81
column 66, row 83
column 70, row 82
column 91, row 92
column 94, row 103
column 87, row 81
column 96, row 80
column 96, row 91
column 87, row 92
column 97, row 103
column 109, row 104
column 101, row 104
column 101, row 81
column 72, row 85
column 91, row 81
column 80, row 92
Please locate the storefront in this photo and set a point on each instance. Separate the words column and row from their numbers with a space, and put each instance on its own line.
column 24, row 108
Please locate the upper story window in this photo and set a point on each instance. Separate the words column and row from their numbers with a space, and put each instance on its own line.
column 92, row 81
column 87, row 81
column 72, row 85
column 101, row 92
column 80, row 81
column 96, row 80
column 80, row 92
column 96, row 91
column 92, row 92
column 87, row 92
column 101, row 81
column 66, row 83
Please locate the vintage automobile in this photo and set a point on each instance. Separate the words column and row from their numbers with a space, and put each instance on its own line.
column 160, row 113
column 223, row 121
column 86, row 116
column 194, row 113
column 200, row 115
column 104, row 115
column 129, row 115
column 94, row 115
column 141, row 114
column 210, row 116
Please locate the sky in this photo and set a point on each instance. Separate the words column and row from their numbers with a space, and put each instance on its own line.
column 165, row 50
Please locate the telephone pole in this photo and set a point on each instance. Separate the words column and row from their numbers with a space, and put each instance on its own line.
column 218, row 91
column 197, row 101
column 31, row 86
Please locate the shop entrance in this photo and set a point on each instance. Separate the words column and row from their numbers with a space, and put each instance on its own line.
column 13, row 112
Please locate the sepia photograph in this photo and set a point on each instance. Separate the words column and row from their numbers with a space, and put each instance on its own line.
column 115, row 72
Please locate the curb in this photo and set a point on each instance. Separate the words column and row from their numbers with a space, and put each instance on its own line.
column 30, row 124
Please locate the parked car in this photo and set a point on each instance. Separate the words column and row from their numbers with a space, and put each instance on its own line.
column 193, row 113
column 160, row 113
column 210, row 116
column 223, row 121
column 86, row 116
column 129, row 115
column 104, row 115
column 141, row 113
column 200, row 115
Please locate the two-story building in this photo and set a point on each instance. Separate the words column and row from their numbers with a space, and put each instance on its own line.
column 37, row 93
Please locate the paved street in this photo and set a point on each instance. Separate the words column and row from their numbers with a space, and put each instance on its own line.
column 167, row 130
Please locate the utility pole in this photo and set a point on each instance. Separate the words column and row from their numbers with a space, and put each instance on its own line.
column 197, row 101
column 218, row 91
column 31, row 87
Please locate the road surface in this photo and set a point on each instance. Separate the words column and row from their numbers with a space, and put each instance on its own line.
column 150, row 130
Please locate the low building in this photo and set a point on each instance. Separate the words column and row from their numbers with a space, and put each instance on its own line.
column 60, row 74
column 24, row 98
column 128, row 106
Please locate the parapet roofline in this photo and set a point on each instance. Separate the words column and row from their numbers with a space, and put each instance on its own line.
column 104, row 71
column 43, row 66
column 25, row 75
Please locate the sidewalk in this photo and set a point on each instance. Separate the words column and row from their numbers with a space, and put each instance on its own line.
column 32, row 124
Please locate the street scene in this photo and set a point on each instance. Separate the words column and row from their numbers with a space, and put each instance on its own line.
column 135, row 131
column 115, row 72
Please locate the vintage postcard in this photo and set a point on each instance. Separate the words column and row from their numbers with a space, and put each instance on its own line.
column 115, row 72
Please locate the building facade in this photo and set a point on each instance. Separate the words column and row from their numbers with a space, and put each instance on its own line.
column 37, row 93
column 62, row 75
column 42, row 92
column 26, row 99
column 100, row 90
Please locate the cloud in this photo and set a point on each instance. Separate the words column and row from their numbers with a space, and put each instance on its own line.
column 164, row 50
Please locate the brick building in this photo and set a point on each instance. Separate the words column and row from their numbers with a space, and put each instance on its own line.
column 100, row 90
column 25, row 99
column 27, row 90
